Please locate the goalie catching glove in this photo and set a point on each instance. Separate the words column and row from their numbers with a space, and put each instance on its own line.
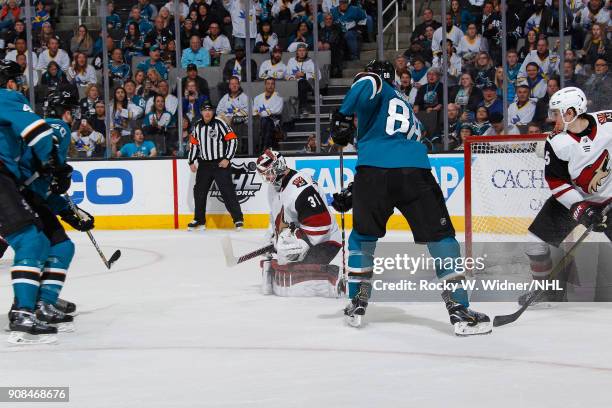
column 342, row 128
column 589, row 213
column 290, row 248
column 343, row 201
column 80, row 221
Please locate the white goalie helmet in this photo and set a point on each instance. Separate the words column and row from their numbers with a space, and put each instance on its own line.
column 564, row 99
column 271, row 165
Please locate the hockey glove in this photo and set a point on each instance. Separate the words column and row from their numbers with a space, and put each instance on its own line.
column 342, row 128
column 61, row 178
column 290, row 248
column 343, row 201
column 588, row 213
column 80, row 221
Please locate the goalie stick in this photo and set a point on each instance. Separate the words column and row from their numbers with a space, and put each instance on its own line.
column 510, row 318
column 114, row 257
column 232, row 260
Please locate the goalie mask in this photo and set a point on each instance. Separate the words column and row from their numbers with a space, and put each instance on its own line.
column 565, row 99
column 271, row 166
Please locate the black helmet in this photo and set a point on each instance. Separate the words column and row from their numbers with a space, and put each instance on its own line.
column 9, row 70
column 60, row 100
column 383, row 68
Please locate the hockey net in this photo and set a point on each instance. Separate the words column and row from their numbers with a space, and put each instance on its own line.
column 504, row 190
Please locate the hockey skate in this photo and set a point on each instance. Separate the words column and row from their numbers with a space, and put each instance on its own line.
column 238, row 225
column 466, row 322
column 196, row 225
column 50, row 315
column 25, row 328
column 66, row 307
column 355, row 310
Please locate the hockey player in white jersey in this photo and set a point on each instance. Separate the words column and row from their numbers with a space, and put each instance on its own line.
column 304, row 233
column 578, row 167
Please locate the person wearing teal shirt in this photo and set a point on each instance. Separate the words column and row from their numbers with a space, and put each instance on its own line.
column 138, row 148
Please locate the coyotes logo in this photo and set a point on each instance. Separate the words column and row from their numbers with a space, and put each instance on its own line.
column 593, row 175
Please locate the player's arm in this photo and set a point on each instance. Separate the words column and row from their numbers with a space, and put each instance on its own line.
column 558, row 178
column 364, row 91
column 34, row 131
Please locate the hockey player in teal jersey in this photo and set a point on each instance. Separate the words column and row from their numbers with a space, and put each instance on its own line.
column 19, row 224
column 393, row 171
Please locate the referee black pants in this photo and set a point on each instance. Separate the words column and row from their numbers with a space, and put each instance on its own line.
column 207, row 172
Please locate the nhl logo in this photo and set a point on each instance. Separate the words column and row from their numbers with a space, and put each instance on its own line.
column 244, row 177
column 442, row 221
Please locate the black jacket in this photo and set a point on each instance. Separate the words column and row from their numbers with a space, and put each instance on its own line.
column 229, row 68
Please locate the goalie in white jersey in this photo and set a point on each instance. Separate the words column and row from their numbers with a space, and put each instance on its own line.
column 305, row 234
column 577, row 171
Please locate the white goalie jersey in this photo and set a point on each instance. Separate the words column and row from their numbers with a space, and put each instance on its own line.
column 578, row 165
column 301, row 203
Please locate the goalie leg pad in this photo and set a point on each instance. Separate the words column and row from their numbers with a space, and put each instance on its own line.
column 301, row 280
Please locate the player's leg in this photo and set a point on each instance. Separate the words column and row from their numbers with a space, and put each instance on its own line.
column 421, row 202
column 203, row 181
column 223, row 178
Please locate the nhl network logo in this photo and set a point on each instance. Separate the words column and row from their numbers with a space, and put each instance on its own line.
column 244, row 176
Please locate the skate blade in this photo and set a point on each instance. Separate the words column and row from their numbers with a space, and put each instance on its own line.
column 64, row 327
column 201, row 228
column 21, row 338
column 353, row 321
column 463, row 329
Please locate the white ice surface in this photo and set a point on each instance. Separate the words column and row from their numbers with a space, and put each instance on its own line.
column 171, row 326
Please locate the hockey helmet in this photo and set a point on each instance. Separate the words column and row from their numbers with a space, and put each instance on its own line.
column 384, row 69
column 271, row 166
column 60, row 100
column 563, row 100
column 9, row 70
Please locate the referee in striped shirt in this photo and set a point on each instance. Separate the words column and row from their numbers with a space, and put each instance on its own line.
column 213, row 145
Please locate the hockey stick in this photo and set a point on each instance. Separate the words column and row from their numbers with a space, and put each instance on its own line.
column 114, row 257
column 506, row 319
column 344, row 274
column 232, row 260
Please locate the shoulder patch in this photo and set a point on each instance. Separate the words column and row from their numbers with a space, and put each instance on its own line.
column 604, row 117
column 299, row 182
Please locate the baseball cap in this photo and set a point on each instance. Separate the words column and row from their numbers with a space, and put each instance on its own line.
column 302, row 45
column 490, row 86
column 154, row 47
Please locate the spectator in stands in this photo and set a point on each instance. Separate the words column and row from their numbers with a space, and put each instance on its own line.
column 497, row 126
column 348, row 17
column 541, row 112
column 571, row 77
column 594, row 12
column 216, row 43
column 547, row 61
column 236, row 67
column 140, row 147
column 80, row 72
column 133, row 97
column 534, row 128
column 401, row 65
column 154, row 61
column 113, row 21
column 512, row 70
column 159, row 35
column 21, row 49
column 455, row 63
column 301, row 68
column 192, row 100
column 195, row 54
column 157, row 123
column 140, row 78
column 535, row 81
column 187, row 31
column 485, row 72
column 283, row 11
column 311, row 145
column 269, row 107
column 53, row 53
column 492, row 30
column 273, row 67
column 531, row 44
column 465, row 130
column 471, row 42
column 41, row 15
column 150, row 85
column 453, row 33
column 98, row 119
column 460, row 17
column 12, row 35
column 466, row 95
column 144, row 25
column 429, row 97
column 571, row 55
column 481, row 121
column 419, row 72
column 233, row 106
column 266, row 39
column 122, row 112
column 183, row 9
column 41, row 42
column 133, row 43
column 82, row 41
column 597, row 45
column 119, row 71
column 87, row 105
column 168, row 55
column 454, row 124
column 147, row 10
column 53, row 77
column 236, row 10
column 537, row 16
column 330, row 38
column 201, row 84
column 491, row 100
column 521, row 111
column 203, row 19
column 171, row 102
column 9, row 15
column 427, row 21
column 405, row 86
column 23, row 63
column 302, row 35
column 86, row 142
column 598, row 87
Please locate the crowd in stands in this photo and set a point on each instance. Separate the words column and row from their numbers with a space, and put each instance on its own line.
column 143, row 65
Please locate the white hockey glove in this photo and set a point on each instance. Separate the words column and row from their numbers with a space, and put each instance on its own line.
column 290, row 248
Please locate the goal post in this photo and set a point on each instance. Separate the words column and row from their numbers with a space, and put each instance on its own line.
column 504, row 185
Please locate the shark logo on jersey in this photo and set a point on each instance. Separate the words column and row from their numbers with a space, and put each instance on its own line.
column 245, row 179
column 593, row 175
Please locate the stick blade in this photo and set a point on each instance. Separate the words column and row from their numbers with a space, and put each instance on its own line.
column 114, row 257
column 228, row 251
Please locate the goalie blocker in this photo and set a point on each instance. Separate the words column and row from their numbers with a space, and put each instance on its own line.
column 304, row 233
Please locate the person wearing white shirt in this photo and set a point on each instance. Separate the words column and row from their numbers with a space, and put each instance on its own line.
column 21, row 60
column 234, row 104
column 21, row 47
column 236, row 9
column 547, row 61
column 274, row 67
column 455, row 63
column 81, row 73
column 53, row 53
column 302, row 69
column 472, row 42
column 453, row 33
column 216, row 43
column 497, row 126
column 183, row 9
column 328, row 5
column 269, row 107
column 171, row 101
column 521, row 111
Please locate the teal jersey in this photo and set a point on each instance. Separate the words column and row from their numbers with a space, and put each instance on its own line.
column 131, row 150
column 388, row 132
